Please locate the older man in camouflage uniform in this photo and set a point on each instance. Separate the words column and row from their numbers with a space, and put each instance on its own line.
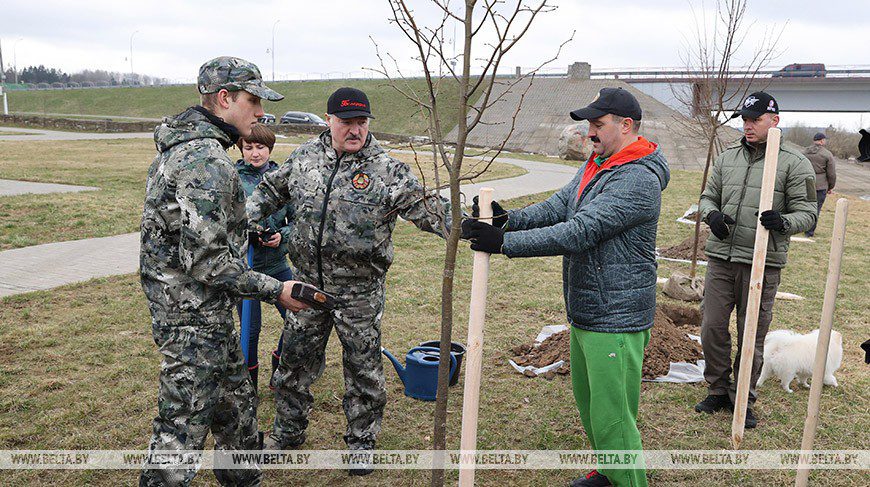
column 346, row 193
column 193, row 271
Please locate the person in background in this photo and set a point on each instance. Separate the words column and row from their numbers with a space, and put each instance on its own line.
column 729, row 206
column 270, row 248
column 826, row 174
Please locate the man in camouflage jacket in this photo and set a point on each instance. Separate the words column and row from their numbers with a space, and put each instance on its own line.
column 345, row 193
column 193, row 271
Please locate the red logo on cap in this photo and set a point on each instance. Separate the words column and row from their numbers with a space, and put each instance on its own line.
column 348, row 103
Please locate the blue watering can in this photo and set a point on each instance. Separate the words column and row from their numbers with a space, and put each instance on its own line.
column 420, row 374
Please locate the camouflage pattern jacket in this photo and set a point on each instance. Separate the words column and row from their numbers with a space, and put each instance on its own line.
column 344, row 210
column 194, row 228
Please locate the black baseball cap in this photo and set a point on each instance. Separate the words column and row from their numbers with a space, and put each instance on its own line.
column 614, row 101
column 756, row 105
column 819, row 136
column 349, row 103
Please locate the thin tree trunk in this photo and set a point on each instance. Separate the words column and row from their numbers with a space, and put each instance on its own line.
column 710, row 144
column 439, row 440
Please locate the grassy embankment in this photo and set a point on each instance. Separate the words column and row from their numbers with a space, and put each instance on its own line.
column 79, row 366
column 395, row 114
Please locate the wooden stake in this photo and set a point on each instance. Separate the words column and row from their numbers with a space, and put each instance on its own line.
column 474, row 353
column 837, row 243
column 756, row 282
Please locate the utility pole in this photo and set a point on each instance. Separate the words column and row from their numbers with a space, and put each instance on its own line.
column 131, row 56
column 15, row 57
column 274, row 26
column 2, row 70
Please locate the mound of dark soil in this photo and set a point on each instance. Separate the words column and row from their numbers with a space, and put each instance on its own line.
column 683, row 250
column 668, row 343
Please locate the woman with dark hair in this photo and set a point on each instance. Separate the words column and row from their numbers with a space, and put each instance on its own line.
column 269, row 247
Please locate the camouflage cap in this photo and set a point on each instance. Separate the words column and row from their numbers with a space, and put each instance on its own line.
column 234, row 74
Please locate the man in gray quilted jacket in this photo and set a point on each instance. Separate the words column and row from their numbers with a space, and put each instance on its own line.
column 604, row 225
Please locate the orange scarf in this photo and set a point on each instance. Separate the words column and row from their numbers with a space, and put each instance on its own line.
column 634, row 151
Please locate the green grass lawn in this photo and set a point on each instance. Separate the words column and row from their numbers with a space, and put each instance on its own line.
column 119, row 168
column 395, row 114
column 79, row 367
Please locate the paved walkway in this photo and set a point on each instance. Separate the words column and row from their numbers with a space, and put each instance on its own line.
column 11, row 187
column 55, row 264
column 42, row 134
column 50, row 265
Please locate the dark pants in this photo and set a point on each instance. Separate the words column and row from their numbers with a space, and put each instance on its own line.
column 727, row 286
column 257, row 321
column 821, row 194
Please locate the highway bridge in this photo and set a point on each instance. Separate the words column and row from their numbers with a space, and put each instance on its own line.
column 844, row 89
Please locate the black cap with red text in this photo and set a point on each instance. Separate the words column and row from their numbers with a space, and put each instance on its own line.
column 756, row 105
column 349, row 103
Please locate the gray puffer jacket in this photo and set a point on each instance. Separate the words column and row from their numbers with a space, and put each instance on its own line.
column 608, row 238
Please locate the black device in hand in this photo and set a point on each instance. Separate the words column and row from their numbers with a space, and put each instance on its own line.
column 312, row 296
column 266, row 234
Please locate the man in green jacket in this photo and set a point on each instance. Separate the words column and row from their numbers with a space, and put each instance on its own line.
column 729, row 205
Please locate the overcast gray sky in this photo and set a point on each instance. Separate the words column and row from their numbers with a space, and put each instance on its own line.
column 330, row 37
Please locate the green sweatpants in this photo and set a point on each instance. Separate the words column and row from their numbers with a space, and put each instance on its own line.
column 605, row 374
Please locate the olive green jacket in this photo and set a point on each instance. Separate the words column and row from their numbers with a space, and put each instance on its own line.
column 734, row 188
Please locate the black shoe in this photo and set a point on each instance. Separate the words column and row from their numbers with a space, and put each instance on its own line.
column 751, row 421
column 272, row 442
column 361, row 463
column 254, row 372
column 713, row 403
column 591, row 479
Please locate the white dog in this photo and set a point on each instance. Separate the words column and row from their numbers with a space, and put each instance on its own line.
column 788, row 355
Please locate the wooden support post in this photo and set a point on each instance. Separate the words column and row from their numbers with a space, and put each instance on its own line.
column 837, row 242
column 756, row 282
column 474, row 353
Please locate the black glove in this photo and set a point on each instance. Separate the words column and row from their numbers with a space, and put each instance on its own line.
column 484, row 237
column 772, row 220
column 718, row 223
column 499, row 215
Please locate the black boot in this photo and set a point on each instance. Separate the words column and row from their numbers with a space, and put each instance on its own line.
column 361, row 460
column 713, row 403
column 253, row 371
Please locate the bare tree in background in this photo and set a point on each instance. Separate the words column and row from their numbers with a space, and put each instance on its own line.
column 489, row 30
column 713, row 91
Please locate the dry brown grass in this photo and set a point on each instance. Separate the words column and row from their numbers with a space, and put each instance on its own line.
column 79, row 370
column 119, row 169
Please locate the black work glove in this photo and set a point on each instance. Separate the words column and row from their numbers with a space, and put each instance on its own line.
column 718, row 223
column 499, row 215
column 484, row 237
column 772, row 220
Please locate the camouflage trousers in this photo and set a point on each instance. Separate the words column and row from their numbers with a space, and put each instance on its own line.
column 357, row 322
column 204, row 386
